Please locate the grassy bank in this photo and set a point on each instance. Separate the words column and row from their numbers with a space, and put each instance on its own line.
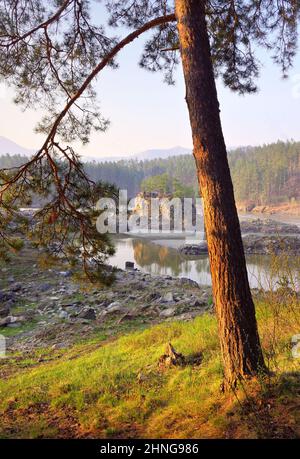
column 115, row 389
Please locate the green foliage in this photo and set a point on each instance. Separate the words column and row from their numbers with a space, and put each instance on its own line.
column 66, row 223
column 160, row 183
column 269, row 174
column 182, row 191
column 129, row 175
column 7, row 161
column 47, row 59
column 166, row 184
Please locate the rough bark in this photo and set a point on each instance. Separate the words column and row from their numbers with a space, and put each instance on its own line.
column 240, row 345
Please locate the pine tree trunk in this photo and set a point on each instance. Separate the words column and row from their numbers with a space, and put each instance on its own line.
column 240, row 345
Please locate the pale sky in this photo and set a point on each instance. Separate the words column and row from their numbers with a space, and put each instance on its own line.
column 145, row 113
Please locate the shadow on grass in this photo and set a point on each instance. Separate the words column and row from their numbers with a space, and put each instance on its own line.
column 274, row 412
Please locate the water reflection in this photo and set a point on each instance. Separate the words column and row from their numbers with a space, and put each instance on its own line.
column 163, row 260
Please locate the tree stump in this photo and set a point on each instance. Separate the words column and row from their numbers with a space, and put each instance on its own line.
column 171, row 358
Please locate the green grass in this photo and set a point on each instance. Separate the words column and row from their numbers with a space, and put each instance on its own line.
column 21, row 328
column 115, row 389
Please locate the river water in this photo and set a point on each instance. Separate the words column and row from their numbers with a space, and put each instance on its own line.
column 159, row 256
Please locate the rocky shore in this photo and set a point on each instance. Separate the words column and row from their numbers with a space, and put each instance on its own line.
column 48, row 309
column 268, row 227
column 287, row 208
column 42, row 308
column 260, row 237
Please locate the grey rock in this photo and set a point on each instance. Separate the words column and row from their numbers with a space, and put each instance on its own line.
column 194, row 250
column 59, row 346
column 170, row 312
column 186, row 281
column 14, row 325
column 114, row 307
column 168, row 298
column 63, row 315
column 11, row 320
column 153, row 296
column 88, row 314
column 196, row 303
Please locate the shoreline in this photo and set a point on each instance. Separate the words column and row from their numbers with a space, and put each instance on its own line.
column 49, row 308
column 269, row 210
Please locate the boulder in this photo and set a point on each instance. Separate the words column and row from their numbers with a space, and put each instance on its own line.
column 5, row 321
column 88, row 314
column 11, row 320
column 114, row 307
column 170, row 312
column 168, row 298
column 190, row 282
column 197, row 304
column 129, row 265
column 186, row 316
column 194, row 250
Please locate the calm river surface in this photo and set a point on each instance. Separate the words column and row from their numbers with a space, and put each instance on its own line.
column 159, row 256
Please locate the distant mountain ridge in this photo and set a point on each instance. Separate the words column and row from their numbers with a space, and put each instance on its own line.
column 146, row 155
column 8, row 146
column 262, row 176
column 161, row 153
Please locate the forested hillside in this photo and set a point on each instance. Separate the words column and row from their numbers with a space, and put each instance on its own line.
column 130, row 174
column 269, row 174
column 7, row 161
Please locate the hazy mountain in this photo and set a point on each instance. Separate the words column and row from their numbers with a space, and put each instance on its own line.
column 12, row 148
column 103, row 159
column 8, row 146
